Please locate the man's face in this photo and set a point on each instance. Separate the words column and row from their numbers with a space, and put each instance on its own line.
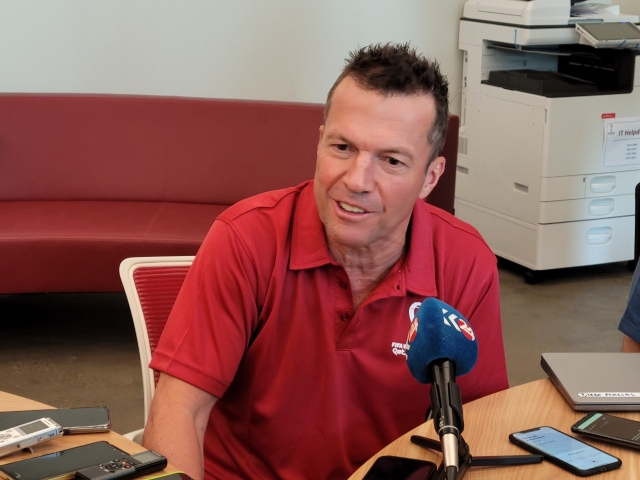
column 372, row 165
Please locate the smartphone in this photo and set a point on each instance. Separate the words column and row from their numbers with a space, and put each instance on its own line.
column 62, row 464
column 72, row 420
column 388, row 467
column 172, row 476
column 130, row 466
column 609, row 428
column 565, row 451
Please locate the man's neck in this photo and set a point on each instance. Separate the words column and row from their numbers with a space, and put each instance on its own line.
column 367, row 267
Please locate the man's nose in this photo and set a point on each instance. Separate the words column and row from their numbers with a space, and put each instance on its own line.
column 359, row 176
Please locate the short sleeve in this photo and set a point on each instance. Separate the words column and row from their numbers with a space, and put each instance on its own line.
column 215, row 314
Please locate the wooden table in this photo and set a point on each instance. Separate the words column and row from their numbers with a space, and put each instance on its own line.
column 9, row 402
column 490, row 420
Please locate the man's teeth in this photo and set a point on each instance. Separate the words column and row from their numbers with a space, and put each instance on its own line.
column 350, row 208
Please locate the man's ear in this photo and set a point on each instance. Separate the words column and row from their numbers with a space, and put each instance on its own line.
column 434, row 172
column 320, row 130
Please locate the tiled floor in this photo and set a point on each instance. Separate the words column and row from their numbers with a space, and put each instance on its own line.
column 80, row 349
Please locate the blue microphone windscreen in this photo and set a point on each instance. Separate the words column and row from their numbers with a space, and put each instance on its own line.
column 440, row 332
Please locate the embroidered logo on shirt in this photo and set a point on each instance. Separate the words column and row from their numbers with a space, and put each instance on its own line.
column 397, row 348
column 412, row 310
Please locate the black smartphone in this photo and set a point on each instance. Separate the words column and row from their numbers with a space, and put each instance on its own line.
column 129, row 466
column 172, row 476
column 609, row 428
column 62, row 464
column 72, row 420
column 565, row 451
column 388, row 467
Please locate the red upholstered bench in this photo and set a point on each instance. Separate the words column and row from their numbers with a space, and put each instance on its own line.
column 88, row 180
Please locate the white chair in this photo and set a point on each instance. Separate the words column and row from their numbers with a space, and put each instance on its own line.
column 151, row 285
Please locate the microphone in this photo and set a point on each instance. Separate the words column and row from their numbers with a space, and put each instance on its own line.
column 440, row 345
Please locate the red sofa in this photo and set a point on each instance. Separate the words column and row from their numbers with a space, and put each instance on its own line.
column 88, row 180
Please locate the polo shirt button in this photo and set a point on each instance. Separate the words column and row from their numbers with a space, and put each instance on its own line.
column 343, row 285
column 344, row 317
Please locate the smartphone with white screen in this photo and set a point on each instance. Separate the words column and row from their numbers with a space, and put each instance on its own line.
column 565, row 451
column 609, row 428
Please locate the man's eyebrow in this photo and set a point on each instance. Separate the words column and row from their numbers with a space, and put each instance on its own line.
column 397, row 150
column 338, row 137
column 386, row 151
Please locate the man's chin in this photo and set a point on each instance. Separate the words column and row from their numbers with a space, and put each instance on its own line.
column 348, row 240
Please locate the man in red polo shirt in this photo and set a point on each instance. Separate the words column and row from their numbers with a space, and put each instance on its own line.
column 283, row 356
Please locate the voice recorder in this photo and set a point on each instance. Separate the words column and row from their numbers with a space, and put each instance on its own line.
column 27, row 434
column 130, row 466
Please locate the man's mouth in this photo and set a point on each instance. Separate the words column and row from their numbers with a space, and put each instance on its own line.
column 350, row 208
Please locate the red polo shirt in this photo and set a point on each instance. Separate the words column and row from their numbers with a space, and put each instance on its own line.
column 308, row 387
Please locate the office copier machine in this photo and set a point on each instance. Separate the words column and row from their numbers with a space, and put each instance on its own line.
column 550, row 131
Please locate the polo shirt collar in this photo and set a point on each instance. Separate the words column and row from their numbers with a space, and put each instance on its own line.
column 309, row 247
column 419, row 266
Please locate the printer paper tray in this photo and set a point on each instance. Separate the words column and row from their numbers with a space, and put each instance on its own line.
column 544, row 83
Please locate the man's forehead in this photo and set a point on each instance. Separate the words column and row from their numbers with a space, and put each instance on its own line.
column 355, row 110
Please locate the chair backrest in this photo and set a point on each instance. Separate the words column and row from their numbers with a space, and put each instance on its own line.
column 151, row 285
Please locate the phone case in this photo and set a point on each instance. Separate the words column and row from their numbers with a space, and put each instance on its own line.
column 73, row 420
column 62, row 464
column 561, row 464
column 400, row 468
column 605, row 438
column 172, row 476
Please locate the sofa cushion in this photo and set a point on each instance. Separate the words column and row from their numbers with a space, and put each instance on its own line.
column 75, row 246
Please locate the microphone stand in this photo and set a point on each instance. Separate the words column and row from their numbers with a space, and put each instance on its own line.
column 451, row 409
column 466, row 460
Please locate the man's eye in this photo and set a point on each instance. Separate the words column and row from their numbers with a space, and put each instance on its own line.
column 343, row 147
column 393, row 161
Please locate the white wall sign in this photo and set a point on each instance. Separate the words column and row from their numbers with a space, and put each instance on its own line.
column 621, row 141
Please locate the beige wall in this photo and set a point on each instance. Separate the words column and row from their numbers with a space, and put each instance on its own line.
column 632, row 7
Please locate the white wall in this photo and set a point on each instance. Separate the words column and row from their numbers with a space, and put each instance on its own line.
column 276, row 49
column 254, row 49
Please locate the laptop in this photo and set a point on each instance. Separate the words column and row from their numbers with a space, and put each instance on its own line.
column 596, row 381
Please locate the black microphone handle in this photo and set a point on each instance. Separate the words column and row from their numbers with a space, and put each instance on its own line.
column 446, row 400
column 446, row 405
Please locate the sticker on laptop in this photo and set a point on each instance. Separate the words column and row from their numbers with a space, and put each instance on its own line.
column 609, row 394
